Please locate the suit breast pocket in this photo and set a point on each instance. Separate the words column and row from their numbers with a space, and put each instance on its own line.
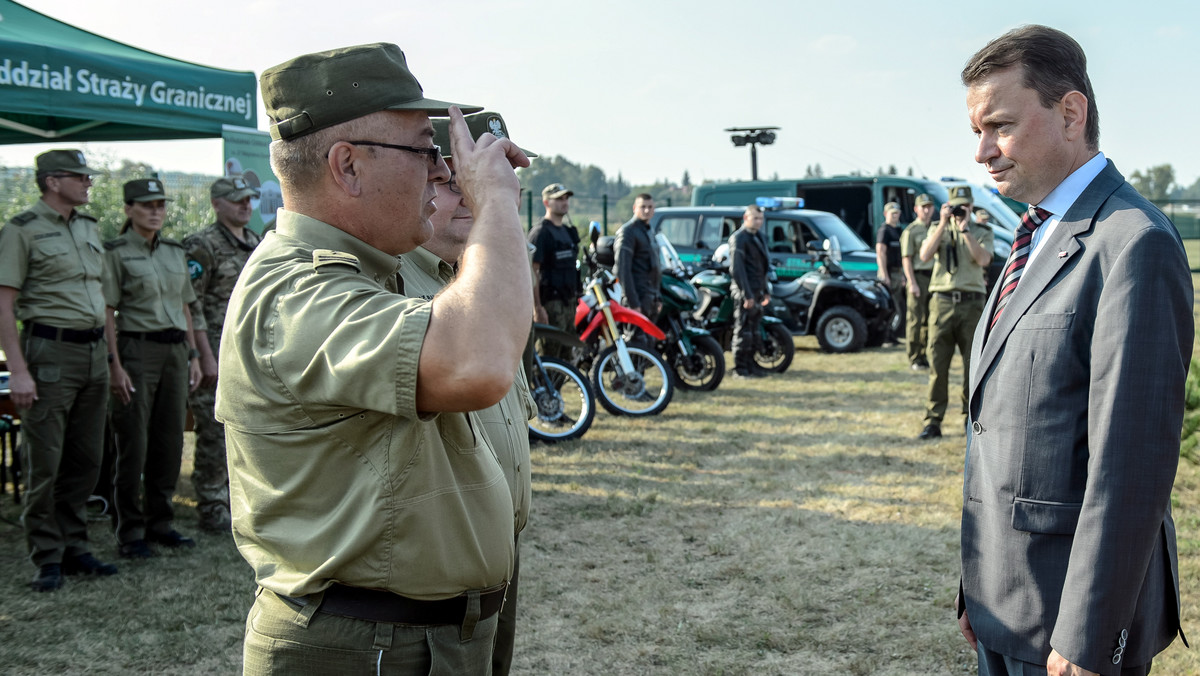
column 1051, row 321
column 1044, row 516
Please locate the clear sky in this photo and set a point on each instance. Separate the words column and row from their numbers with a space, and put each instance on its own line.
column 646, row 88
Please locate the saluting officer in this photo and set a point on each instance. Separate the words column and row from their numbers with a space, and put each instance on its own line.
column 960, row 250
column 216, row 256
column 426, row 270
column 50, row 267
column 916, row 274
column 153, row 364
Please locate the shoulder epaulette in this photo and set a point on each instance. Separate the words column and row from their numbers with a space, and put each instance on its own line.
column 326, row 257
column 114, row 243
column 22, row 218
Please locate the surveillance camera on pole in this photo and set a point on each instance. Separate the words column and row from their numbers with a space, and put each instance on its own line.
column 754, row 137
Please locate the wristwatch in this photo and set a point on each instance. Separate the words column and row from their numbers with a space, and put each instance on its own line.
column 193, row 354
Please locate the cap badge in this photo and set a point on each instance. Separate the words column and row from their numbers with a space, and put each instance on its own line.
column 495, row 126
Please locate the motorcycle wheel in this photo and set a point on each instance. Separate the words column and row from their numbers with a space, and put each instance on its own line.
column 702, row 370
column 778, row 349
column 565, row 403
column 645, row 391
column 841, row 329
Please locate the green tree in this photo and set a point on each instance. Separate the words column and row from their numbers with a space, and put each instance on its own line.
column 1156, row 183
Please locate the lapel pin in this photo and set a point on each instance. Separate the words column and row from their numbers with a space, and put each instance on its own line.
column 1062, row 254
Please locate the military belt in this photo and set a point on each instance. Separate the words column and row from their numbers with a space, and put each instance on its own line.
column 376, row 605
column 66, row 335
column 960, row 296
column 169, row 336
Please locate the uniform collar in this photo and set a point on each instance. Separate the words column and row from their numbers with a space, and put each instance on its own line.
column 246, row 245
column 48, row 213
column 319, row 235
column 141, row 242
column 431, row 264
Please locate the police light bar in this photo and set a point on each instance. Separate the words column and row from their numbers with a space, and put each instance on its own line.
column 780, row 202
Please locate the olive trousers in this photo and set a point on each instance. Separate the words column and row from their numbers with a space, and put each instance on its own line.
column 149, row 436
column 951, row 325
column 64, row 438
column 916, row 328
column 285, row 640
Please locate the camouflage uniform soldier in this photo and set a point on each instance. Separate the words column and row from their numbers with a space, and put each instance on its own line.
column 216, row 256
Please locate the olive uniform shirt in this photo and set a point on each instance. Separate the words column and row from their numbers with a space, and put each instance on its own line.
column 57, row 265
column 953, row 267
column 911, row 239
column 147, row 283
column 333, row 473
column 506, row 424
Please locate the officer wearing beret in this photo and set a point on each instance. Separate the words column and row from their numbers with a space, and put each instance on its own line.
column 916, row 275
column 426, row 270
column 152, row 366
column 375, row 515
column 50, row 267
column 960, row 250
column 216, row 256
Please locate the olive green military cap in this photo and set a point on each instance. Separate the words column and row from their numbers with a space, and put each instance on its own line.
column 960, row 194
column 232, row 188
column 145, row 190
column 891, row 206
column 64, row 160
column 479, row 124
column 555, row 191
column 924, row 199
column 316, row 91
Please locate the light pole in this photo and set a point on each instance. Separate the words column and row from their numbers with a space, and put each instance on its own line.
column 753, row 136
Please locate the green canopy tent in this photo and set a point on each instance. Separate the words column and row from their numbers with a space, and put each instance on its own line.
column 58, row 82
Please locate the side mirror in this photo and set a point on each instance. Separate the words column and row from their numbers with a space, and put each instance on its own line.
column 594, row 231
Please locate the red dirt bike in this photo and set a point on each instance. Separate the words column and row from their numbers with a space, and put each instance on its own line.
column 629, row 379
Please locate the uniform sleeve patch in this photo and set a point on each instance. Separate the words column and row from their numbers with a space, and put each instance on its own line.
column 324, row 257
column 194, row 268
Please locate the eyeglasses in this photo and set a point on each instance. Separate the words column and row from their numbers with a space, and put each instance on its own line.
column 432, row 154
column 67, row 174
column 452, row 184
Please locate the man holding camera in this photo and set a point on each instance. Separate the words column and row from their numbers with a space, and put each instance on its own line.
column 960, row 250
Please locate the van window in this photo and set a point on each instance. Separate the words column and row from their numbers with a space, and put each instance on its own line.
column 852, row 204
column 678, row 230
column 715, row 231
column 787, row 236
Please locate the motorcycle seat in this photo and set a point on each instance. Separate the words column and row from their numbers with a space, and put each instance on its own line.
column 785, row 289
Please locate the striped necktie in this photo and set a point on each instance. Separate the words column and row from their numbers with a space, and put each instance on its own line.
column 1022, row 244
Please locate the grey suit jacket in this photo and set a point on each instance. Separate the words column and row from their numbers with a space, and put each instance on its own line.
column 1076, row 408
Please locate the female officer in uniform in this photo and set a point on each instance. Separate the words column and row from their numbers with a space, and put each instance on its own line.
column 152, row 368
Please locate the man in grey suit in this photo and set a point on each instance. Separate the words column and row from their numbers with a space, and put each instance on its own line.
column 1077, row 385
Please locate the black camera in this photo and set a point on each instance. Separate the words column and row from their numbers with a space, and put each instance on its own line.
column 959, row 211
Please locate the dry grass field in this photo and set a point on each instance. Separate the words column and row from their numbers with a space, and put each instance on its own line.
column 783, row 526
